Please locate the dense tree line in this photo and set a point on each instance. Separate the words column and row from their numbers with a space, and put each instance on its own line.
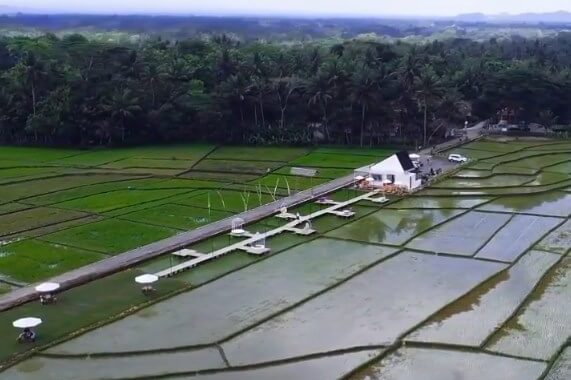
column 74, row 91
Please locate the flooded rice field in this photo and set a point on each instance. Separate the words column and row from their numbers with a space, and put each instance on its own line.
column 417, row 285
column 556, row 203
column 433, row 364
column 561, row 370
column 521, row 232
column 488, row 306
column 462, row 236
column 467, row 280
column 393, row 227
column 557, row 241
column 544, row 322
column 232, row 303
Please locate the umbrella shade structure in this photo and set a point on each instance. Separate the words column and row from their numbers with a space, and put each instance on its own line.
column 26, row 323
column 146, row 279
column 370, row 179
column 47, row 287
column 387, row 182
column 414, row 156
column 359, row 178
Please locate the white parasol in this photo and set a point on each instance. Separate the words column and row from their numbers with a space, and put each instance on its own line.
column 26, row 323
column 370, row 179
column 47, row 287
column 387, row 182
column 146, row 279
column 359, row 178
column 414, row 156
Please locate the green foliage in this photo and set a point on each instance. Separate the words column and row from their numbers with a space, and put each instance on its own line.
column 81, row 92
column 32, row 260
column 110, row 236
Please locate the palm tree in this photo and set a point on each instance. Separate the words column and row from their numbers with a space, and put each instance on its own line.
column 121, row 106
column 548, row 118
column 258, row 90
column 34, row 72
column 284, row 89
column 321, row 93
column 153, row 75
column 364, row 93
column 428, row 90
column 235, row 90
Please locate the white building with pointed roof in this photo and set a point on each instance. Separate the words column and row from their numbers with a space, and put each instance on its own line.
column 397, row 170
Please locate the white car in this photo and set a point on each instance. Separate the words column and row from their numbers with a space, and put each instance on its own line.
column 457, row 158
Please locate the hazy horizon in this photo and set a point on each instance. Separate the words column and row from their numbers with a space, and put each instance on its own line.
column 369, row 8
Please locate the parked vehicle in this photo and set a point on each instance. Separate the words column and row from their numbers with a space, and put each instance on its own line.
column 457, row 158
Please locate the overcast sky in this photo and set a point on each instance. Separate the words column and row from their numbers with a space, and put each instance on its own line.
column 338, row 7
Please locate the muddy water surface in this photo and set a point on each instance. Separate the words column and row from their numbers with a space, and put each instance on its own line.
column 429, row 364
column 461, row 236
column 393, row 227
column 544, row 324
column 374, row 308
column 517, row 236
column 222, row 307
column 114, row 367
column 470, row 320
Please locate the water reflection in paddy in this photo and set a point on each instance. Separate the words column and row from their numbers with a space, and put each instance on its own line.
column 374, row 308
column 521, row 232
column 432, row 364
column 233, row 302
column 470, row 320
column 554, row 203
column 393, row 227
column 544, row 324
column 461, row 236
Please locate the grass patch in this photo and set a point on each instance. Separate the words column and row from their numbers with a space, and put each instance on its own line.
column 326, row 160
column 85, row 191
column 10, row 174
column 285, row 181
column 5, row 288
column 33, row 260
column 12, row 207
column 531, row 160
column 117, row 199
column 249, row 167
column 110, row 236
column 181, row 183
column 150, row 163
column 254, row 153
column 494, row 146
column 227, row 200
column 48, row 229
column 177, row 216
column 34, row 218
column 24, row 154
column 28, row 189
column 225, row 177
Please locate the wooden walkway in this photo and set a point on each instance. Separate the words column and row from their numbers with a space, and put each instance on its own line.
column 242, row 245
column 131, row 258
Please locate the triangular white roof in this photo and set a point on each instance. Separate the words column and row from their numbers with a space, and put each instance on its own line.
column 390, row 165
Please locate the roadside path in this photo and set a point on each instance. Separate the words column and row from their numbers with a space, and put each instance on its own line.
column 472, row 133
column 131, row 258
